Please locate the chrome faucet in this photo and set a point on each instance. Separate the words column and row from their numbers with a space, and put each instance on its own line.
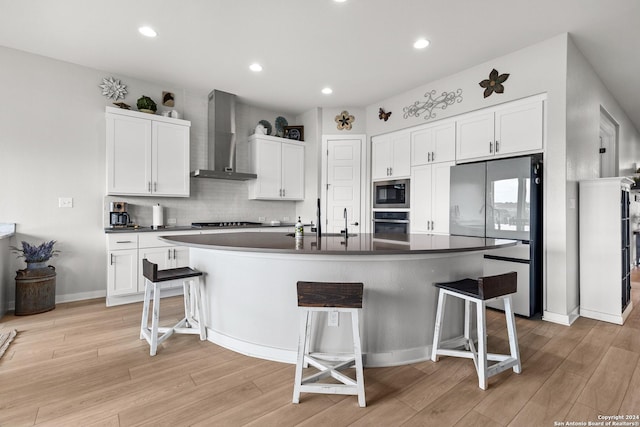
column 346, row 230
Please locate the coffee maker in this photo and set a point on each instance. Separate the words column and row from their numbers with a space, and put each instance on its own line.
column 118, row 216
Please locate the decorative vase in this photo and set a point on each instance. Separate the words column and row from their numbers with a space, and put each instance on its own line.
column 35, row 290
column 36, row 265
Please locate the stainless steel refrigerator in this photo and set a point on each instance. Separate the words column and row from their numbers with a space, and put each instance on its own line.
column 503, row 199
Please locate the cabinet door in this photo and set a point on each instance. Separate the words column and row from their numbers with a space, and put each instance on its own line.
column 179, row 257
column 158, row 256
column 401, row 155
column 421, row 199
column 293, row 171
column 122, row 274
column 444, row 143
column 380, row 157
column 519, row 127
column 268, row 167
column 170, row 150
column 422, row 146
column 128, row 155
column 440, row 184
column 474, row 136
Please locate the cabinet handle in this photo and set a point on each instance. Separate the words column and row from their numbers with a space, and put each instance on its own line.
column 497, row 146
column 149, row 186
column 428, row 225
column 284, row 192
column 111, row 259
column 124, row 241
column 155, row 186
column 490, row 147
column 390, row 171
column 174, row 254
column 428, row 156
column 433, row 156
column 432, row 226
column 169, row 253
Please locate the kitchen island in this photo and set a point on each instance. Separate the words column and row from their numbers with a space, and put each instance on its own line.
column 250, row 289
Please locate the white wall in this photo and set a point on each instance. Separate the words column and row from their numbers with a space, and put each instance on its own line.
column 311, row 120
column 586, row 94
column 52, row 145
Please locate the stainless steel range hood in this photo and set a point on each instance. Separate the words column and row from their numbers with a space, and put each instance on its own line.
column 221, row 141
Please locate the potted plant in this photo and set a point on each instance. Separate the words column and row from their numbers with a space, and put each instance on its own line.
column 147, row 105
column 35, row 285
column 36, row 256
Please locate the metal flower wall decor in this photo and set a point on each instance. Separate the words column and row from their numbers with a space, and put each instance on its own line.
column 441, row 102
column 344, row 120
column 112, row 88
column 494, row 83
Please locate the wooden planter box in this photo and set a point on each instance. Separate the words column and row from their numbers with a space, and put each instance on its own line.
column 35, row 290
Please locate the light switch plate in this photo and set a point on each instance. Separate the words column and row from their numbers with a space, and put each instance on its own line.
column 65, row 202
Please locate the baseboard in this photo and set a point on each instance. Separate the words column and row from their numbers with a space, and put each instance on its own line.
column 562, row 319
column 11, row 305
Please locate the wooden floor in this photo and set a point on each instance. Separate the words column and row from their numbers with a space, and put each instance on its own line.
column 83, row 364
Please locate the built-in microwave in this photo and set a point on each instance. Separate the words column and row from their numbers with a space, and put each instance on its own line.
column 391, row 194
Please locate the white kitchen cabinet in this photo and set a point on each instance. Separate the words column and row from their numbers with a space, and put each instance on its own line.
column 434, row 143
column 147, row 155
column 391, row 156
column 512, row 128
column 122, row 275
column 430, row 198
column 279, row 164
column 605, row 249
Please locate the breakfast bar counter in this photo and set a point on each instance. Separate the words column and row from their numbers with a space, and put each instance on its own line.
column 250, row 289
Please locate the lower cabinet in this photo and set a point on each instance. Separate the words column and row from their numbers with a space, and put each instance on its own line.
column 122, row 276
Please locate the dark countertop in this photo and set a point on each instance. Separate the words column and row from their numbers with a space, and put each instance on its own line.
column 138, row 229
column 359, row 244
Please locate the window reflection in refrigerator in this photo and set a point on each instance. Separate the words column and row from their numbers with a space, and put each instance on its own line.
column 510, row 204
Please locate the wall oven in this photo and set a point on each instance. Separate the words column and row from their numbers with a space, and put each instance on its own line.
column 391, row 223
column 391, row 194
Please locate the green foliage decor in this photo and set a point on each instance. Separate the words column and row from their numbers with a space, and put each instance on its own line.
column 146, row 103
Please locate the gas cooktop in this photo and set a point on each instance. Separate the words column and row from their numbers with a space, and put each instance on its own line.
column 226, row 224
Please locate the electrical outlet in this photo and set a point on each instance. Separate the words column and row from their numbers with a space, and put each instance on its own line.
column 171, row 221
column 65, row 202
column 262, row 219
column 334, row 318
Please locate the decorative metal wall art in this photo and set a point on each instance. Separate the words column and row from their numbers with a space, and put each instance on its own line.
column 494, row 83
column 112, row 88
column 442, row 102
column 344, row 120
column 382, row 115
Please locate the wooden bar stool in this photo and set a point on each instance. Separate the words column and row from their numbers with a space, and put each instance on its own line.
column 480, row 291
column 193, row 312
column 329, row 297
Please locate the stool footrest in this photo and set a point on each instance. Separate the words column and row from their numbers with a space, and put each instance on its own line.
column 330, row 389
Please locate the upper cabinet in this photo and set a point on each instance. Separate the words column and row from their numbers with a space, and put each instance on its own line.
column 147, row 155
column 512, row 128
column 433, row 143
column 391, row 156
column 279, row 164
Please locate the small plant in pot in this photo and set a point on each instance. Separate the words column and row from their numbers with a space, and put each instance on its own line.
column 147, row 105
column 36, row 256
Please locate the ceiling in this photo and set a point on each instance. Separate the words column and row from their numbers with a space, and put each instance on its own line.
column 362, row 49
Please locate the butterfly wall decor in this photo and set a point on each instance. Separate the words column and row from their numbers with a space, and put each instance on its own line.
column 382, row 115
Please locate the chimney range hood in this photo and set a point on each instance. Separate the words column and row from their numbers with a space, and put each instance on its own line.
column 221, row 141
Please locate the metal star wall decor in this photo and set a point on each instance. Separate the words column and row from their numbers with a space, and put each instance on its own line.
column 344, row 120
column 494, row 83
column 441, row 102
column 112, row 88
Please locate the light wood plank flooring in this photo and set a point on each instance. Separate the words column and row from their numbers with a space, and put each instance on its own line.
column 83, row 364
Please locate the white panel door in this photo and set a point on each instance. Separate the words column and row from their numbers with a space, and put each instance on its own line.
column 170, row 150
column 292, row 171
column 128, row 155
column 343, row 185
column 474, row 136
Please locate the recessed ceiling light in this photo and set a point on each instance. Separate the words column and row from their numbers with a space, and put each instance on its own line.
column 147, row 31
column 327, row 91
column 255, row 67
column 421, row 43
column 339, row 1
